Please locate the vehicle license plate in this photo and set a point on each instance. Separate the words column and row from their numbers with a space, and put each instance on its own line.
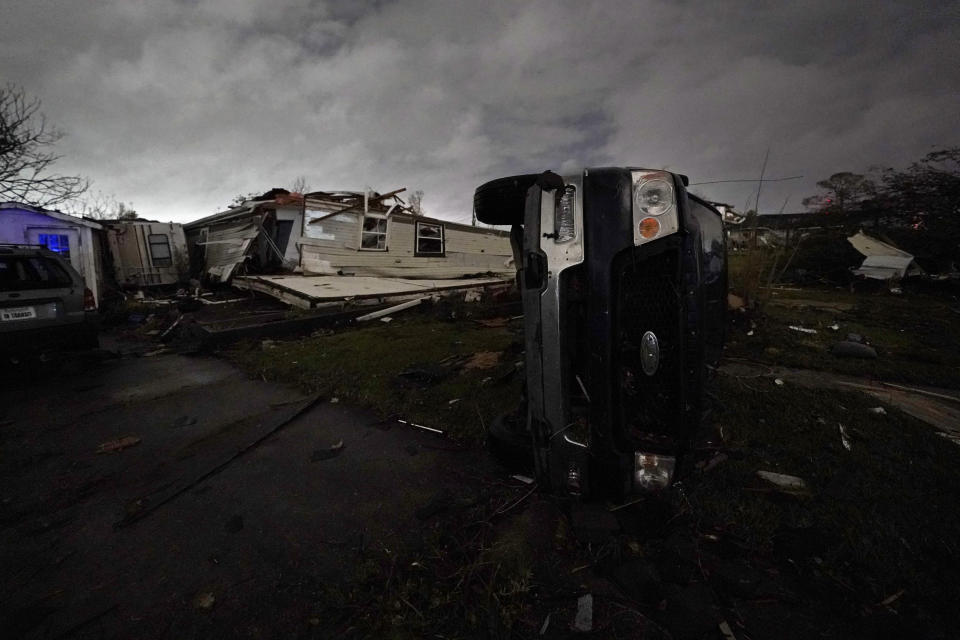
column 17, row 313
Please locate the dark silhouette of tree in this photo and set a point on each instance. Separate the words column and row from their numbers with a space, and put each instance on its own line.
column 26, row 155
column 844, row 192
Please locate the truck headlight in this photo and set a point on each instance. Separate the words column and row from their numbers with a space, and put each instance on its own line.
column 654, row 206
column 564, row 215
column 652, row 471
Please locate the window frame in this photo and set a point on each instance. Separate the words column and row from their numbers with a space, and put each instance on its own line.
column 417, row 237
column 62, row 240
column 384, row 233
column 166, row 242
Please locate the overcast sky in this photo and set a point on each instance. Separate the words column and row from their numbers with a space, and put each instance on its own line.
column 176, row 106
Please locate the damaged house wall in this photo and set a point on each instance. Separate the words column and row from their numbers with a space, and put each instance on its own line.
column 375, row 235
column 261, row 235
column 146, row 253
column 333, row 246
column 341, row 232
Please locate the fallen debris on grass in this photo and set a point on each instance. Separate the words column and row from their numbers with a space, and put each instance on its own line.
column 844, row 437
column 794, row 327
column 584, row 619
column 482, row 360
column 880, row 411
column 409, row 304
column 204, row 601
column 115, row 446
column 783, row 481
column 420, row 426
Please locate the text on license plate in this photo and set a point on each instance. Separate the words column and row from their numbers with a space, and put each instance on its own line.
column 18, row 313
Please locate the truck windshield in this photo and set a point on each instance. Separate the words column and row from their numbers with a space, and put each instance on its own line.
column 22, row 273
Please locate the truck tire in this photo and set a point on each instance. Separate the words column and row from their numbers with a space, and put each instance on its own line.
column 502, row 201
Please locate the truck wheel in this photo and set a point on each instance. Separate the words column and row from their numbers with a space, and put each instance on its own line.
column 502, row 201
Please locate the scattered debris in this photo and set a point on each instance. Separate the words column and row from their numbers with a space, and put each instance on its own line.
column 325, row 454
column 114, row 446
column 880, row 411
column 391, row 310
column 171, row 327
column 204, row 601
column 778, row 382
column 886, row 602
column 386, row 320
column 725, row 631
column 734, row 302
column 844, row 437
column 546, row 623
column 156, row 352
column 835, row 327
column 482, row 360
column 472, row 296
column 847, row 349
column 750, row 333
column 783, row 481
column 794, row 327
column 584, row 619
column 453, row 402
column 268, row 344
column 523, row 479
column 334, row 400
column 883, row 261
column 420, row 426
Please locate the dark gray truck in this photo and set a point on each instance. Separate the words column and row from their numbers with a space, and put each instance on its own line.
column 623, row 276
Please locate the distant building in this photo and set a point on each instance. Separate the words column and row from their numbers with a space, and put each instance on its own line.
column 145, row 253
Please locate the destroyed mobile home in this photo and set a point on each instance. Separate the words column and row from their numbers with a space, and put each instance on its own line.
column 342, row 233
column 624, row 302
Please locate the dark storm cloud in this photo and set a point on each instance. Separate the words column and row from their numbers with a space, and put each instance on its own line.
column 179, row 106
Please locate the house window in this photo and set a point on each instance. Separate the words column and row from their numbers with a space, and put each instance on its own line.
column 429, row 239
column 374, row 235
column 57, row 243
column 160, row 250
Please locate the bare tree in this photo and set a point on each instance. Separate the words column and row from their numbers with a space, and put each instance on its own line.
column 299, row 185
column 26, row 157
column 416, row 202
column 101, row 206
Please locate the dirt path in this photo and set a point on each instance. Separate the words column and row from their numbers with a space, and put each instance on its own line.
column 939, row 408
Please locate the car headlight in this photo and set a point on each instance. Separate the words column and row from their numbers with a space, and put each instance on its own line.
column 564, row 215
column 654, row 206
column 652, row 471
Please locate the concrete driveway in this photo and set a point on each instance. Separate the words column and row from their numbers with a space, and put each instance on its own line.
column 131, row 544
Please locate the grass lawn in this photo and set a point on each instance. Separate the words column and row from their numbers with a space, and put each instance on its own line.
column 917, row 336
column 871, row 549
column 443, row 385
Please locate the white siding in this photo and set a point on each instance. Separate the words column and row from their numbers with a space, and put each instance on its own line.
column 328, row 248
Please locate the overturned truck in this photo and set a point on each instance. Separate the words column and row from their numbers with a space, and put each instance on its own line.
column 623, row 275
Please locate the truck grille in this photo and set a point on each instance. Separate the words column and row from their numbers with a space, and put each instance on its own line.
column 647, row 298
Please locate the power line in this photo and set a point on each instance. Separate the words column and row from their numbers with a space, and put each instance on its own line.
column 693, row 184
